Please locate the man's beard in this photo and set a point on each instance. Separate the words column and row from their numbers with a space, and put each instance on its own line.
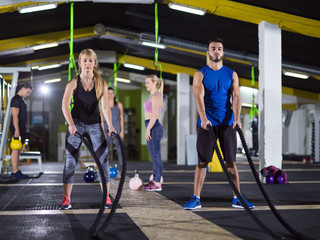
column 215, row 59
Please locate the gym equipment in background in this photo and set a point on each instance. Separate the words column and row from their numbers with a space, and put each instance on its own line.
column 135, row 183
column 89, row 176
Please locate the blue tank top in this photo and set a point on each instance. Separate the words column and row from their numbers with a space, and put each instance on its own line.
column 115, row 115
column 217, row 93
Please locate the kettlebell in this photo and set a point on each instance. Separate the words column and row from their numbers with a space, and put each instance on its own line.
column 114, row 171
column 280, row 179
column 135, row 183
column 270, row 179
column 16, row 143
column 89, row 176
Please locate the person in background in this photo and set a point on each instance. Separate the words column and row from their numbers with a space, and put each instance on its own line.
column 214, row 85
column 154, row 130
column 87, row 90
column 117, row 122
column 18, row 125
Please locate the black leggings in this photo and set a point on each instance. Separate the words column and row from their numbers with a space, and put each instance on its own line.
column 94, row 134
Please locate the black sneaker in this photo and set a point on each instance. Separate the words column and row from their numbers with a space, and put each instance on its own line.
column 18, row 175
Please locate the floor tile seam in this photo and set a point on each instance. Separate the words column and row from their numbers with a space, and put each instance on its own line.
column 178, row 223
column 189, row 171
column 165, row 183
column 138, row 214
column 261, row 208
column 55, row 212
column 135, row 208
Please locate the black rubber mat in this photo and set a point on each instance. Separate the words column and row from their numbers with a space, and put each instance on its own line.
column 66, row 226
column 14, row 197
column 48, row 197
column 241, row 225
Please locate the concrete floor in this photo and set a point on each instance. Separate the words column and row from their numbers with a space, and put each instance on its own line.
column 29, row 208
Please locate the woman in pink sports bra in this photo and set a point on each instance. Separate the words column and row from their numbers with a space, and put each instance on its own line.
column 154, row 130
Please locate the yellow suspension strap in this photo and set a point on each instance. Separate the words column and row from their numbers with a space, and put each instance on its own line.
column 254, row 110
column 156, row 54
column 72, row 62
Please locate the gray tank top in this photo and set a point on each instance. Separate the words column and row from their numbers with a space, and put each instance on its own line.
column 115, row 114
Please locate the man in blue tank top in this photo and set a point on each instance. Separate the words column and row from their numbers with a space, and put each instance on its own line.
column 214, row 86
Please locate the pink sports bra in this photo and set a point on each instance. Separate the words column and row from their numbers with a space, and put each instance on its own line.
column 148, row 105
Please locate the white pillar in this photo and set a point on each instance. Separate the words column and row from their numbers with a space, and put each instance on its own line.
column 193, row 113
column 270, row 101
column 183, row 116
column 316, row 133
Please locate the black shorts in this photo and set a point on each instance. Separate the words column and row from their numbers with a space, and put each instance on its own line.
column 228, row 143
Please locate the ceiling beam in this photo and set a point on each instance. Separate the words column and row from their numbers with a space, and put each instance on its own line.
column 166, row 67
column 285, row 90
column 253, row 14
column 29, row 41
column 11, row 5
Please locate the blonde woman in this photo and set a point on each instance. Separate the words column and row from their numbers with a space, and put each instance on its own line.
column 87, row 90
column 154, row 130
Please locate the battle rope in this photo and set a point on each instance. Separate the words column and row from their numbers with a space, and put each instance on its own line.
column 103, row 179
column 104, row 188
column 243, row 203
column 264, row 193
column 120, row 186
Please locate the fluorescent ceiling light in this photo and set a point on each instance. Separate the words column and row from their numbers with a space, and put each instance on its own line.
column 134, row 66
column 123, row 80
column 248, row 90
column 184, row 8
column 47, row 67
column 152, row 44
column 37, row 7
column 47, row 45
column 52, row 80
column 247, row 105
column 296, row 74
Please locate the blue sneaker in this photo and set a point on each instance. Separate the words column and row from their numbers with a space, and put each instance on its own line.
column 194, row 203
column 237, row 204
column 18, row 175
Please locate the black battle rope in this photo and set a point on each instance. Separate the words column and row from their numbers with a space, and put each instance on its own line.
column 216, row 148
column 264, row 193
column 104, row 188
column 120, row 186
column 103, row 179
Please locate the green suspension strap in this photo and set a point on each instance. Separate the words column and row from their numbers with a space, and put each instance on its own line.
column 72, row 62
column 156, row 54
column 115, row 70
column 254, row 110
column 115, row 75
